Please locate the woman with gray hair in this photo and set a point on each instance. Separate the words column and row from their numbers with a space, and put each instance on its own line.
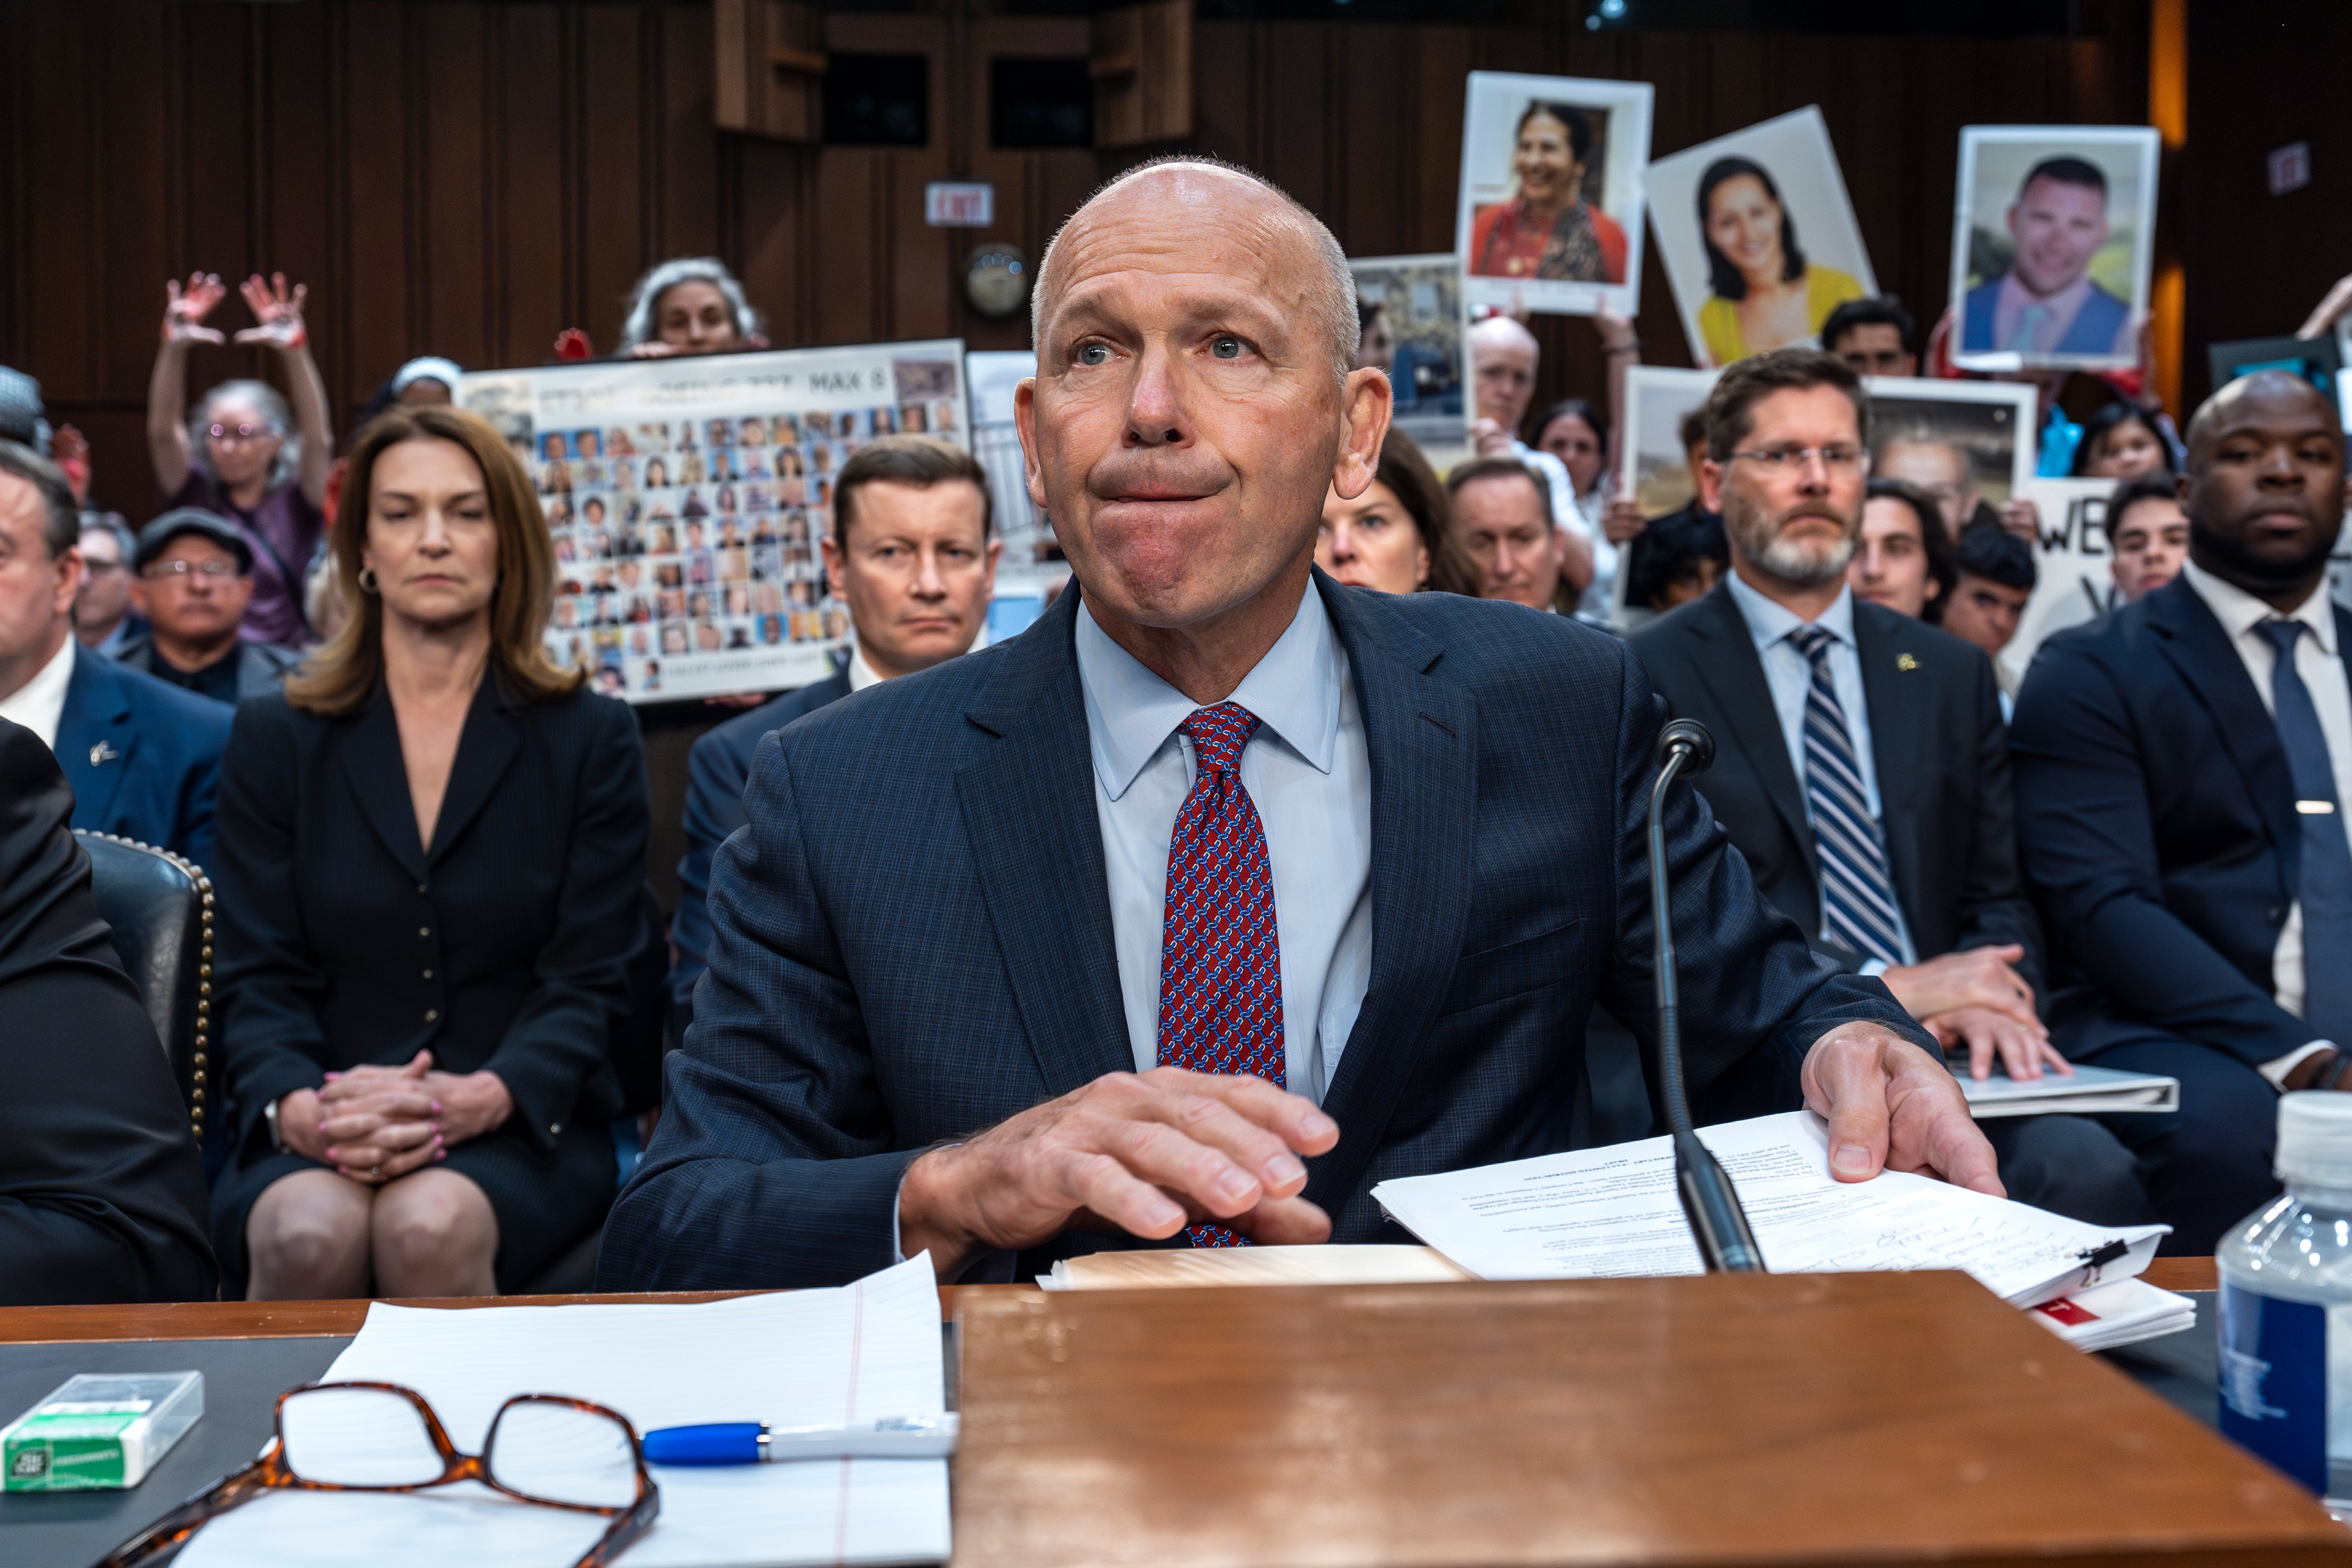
column 244, row 453
column 689, row 306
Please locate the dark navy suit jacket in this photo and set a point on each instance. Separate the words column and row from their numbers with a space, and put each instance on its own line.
column 143, row 755
column 913, row 939
column 2157, row 822
column 716, row 772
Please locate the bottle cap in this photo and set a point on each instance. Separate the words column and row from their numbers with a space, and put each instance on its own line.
column 2315, row 1139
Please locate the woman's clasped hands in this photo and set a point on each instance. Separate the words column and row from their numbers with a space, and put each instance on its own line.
column 376, row 1124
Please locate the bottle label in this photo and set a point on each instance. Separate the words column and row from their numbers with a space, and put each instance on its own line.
column 2273, row 1372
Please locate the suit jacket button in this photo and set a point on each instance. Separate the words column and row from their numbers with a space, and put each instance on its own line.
column 425, row 931
column 431, row 1014
column 555, row 1128
column 2274, row 914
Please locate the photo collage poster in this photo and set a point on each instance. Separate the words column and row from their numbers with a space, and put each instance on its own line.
column 689, row 497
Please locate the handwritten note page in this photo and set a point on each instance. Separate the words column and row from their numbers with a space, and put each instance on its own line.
column 806, row 1358
column 1612, row 1212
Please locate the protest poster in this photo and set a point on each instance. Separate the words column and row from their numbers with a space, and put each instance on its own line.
column 2053, row 242
column 1409, row 315
column 1758, row 237
column 2074, row 581
column 1552, row 193
column 688, row 500
column 1653, row 465
column 1970, row 445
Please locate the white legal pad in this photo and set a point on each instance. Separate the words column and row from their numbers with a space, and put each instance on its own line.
column 806, row 1358
column 2086, row 1091
column 1612, row 1212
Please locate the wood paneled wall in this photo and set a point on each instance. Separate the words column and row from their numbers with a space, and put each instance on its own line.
column 467, row 178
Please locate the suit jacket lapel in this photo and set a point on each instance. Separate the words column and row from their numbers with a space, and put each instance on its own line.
column 95, row 736
column 1029, row 812
column 1734, row 675
column 486, row 749
column 378, row 778
column 1899, row 742
column 1423, row 741
column 2192, row 639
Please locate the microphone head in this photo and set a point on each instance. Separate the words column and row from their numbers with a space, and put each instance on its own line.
column 1689, row 737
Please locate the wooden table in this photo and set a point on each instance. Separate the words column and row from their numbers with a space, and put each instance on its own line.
column 1754, row 1422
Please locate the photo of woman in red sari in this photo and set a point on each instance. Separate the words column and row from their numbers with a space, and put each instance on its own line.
column 1547, row 230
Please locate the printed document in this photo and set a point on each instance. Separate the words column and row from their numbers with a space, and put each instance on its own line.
column 802, row 1358
column 1612, row 1212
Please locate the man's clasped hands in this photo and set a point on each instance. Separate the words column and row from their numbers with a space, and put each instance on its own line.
column 376, row 1124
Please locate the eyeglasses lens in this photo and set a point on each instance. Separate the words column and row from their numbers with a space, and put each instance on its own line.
column 556, row 1453
column 358, row 1437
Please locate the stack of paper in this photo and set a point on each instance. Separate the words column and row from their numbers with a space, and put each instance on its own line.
column 1158, row 1269
column 2121, row 1313
column 808, row 1358
column 2086, row 1091
column 1601, row 1212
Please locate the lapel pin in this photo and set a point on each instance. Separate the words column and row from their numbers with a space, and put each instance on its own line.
column 1905, row 663
column 103, row 752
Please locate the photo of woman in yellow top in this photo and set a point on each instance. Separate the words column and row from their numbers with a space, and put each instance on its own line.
column 1762, row 293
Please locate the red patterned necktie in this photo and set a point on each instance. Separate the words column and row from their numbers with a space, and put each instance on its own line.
column 1220, row 963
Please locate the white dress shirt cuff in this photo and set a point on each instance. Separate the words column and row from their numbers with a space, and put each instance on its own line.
column 2277, row 1068
column 1873, row 968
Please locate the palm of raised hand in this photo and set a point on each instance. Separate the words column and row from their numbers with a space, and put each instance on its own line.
column 184, row 309
column 279, row 311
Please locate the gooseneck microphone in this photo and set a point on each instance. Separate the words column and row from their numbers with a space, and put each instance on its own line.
column 1717, row 1222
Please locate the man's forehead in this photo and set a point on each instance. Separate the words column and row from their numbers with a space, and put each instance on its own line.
column 2047, row 192
column 1802, row 405
column 1214, row 230
column 2269, row 405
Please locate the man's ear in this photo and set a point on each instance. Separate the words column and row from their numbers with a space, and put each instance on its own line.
column 1024, row 420
column 1710, row 485
column 1367, row 403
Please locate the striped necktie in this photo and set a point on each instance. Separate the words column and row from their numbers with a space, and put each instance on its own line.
column 1220, row 958
column 1858, row 908
column 2324, row 867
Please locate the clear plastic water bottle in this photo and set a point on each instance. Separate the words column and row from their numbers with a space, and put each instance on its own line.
column 2286, row 1305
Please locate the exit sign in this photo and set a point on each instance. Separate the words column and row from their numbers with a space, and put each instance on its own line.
column 956, row 203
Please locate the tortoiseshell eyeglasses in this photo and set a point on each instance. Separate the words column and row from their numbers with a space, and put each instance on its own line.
column 381, row 1437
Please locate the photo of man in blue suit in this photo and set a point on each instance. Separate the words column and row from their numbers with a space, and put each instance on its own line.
column 143, row 755
column 2046, row 304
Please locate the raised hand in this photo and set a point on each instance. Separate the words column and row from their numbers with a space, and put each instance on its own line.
column 185, row 309
column 279, row 311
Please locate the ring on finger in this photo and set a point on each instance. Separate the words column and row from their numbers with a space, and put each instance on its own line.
column 375, row 1170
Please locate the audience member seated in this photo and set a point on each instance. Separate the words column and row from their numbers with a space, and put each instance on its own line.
column 1503, row 515
column 426, row 380
column 103, row 616
column 1862, row 767
column 101, row 1191
column 1996, row 577
column 245, row 455
column 1576, row 433
column 1874, row 336
column 690, row 306
column 2180, row 768
column 1398, row 536
column 1502, row 355
column 2121, row 442
column 963, row 898
column 195, row 574
column 433, row 842
column 1680, row 557
column 143, row 756
column 911, row 554
column 2148, row 534
column 1905, row 561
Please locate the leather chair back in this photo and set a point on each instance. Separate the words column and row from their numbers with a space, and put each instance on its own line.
column 160, row 908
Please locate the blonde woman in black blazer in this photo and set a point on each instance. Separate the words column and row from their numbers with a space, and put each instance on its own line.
column 431, row 846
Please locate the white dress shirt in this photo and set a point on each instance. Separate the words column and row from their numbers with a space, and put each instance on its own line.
column 1790, row 675
column 39, row 704
column 861, row 674
column 1309, row 773
column 2318, row 660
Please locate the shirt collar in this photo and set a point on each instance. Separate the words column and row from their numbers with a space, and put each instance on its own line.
column 1130, row 712
column 861, row 674
column 2018, row 297
column 2239, row 611
column 1768, row 621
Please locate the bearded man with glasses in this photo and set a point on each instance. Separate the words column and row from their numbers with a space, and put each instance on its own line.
column 1862, row 765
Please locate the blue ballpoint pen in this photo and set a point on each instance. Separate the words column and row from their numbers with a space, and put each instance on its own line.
column 753, row 1442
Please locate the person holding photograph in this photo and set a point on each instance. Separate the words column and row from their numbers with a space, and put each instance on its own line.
column 1547, row 230
column 2120, row 442
column 1762, row 292
column 2046, row 303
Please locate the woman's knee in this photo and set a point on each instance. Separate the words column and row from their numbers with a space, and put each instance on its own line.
column 422, row 1223
column 301, row 1230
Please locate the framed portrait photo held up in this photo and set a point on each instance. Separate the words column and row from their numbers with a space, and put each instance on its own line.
column 2053, row 235
column 1552, row 193
column 1758, row 237
column 1409, row 316
column 1968, row 444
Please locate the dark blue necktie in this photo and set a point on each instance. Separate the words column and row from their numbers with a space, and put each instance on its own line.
column 2325, row 879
